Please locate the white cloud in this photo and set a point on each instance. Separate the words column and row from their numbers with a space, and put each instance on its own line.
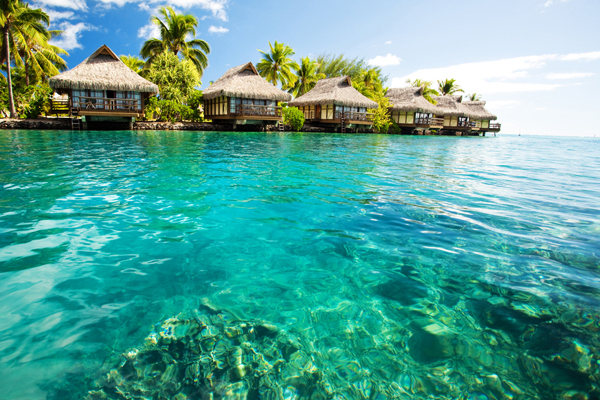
column 217, row 29
column 217, row 7
column 502, row 104
column 149, row 31
column 68, row 40
column 58, row 15
column 384, row 61
column 388, row 42
column 107, row 4
column 572, row 75
column 550, row 2
column 72, row 4
column 593, row 55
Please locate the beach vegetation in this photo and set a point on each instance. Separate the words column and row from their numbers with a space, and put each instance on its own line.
column 277, row 66
column 293, row 117
column 175, row 28
column 307, row 76
column 133, row 62
column 29, row 101
column 25, row 42
column 381, row 115
column 428, row 91
column 474, row 97
column 449, row 87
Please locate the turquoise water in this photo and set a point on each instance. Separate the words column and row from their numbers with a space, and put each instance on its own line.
column 351, row 266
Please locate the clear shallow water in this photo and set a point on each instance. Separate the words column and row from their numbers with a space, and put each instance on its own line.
column 402, row 267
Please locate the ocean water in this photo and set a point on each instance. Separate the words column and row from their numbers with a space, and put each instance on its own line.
column 195, row 265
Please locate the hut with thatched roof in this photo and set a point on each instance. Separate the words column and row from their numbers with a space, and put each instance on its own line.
column 411, row 111
column 334, row 101
column 242, row 96
column 102, row 86
column 480, row 117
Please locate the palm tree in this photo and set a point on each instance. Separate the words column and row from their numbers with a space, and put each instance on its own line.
column 277, row 65
column 369, row 84
column 448, row 87
column 306, row 77
column 174, row 30
column 428, row 91
column 43, row 58
column 474, row 97
column 17, row 16
column 133, row 62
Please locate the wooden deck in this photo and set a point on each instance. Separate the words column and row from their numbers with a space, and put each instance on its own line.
column 349, row 117
column 251, row 112
column 98, row 106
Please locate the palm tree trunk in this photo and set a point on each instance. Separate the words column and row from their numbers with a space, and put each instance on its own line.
column 26, row 72
column 13, row 113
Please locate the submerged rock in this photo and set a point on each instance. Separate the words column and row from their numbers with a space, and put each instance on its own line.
column 403, row 290
column 213, row 357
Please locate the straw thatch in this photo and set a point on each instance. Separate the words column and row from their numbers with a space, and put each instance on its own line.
column 410, row 99
column 103, row 70
column 450, row 106
column 338, row 91
column 478, row 109
column 245, row 82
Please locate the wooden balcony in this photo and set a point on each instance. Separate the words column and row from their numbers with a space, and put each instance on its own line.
column 494, row 127
column 250, row 111
column 349, row 117
column 427, row 122
column 101, row 106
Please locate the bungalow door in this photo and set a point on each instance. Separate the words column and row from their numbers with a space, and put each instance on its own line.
column 317, row 112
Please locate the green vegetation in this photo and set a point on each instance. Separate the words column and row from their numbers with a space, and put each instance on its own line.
column 25, row 43
column 428, row 92
column 29, row 101
column 174, row 30
column 381, row 115
column 474, row 97
column 277, row 65
column 293, row 117
column 449, row 87
column 307, row 76
column 133, row 62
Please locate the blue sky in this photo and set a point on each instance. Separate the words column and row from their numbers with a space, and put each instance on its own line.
column 536, row 62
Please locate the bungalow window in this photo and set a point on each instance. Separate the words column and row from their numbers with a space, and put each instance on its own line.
column 232, row 103
column 76, row 95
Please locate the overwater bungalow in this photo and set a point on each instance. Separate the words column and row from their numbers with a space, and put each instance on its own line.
column 241, row 96
column 482, row 119
column 464, row 118
column 411, row 111
column 102, row 90
column 334, row 102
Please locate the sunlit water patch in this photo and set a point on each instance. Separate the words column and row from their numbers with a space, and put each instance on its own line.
column 299, row 266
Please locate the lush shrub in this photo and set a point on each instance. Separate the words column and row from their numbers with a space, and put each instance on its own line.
column 30, row 101
column 194, row 101
column 293, row 117
column 176, row 79
column 381, row 115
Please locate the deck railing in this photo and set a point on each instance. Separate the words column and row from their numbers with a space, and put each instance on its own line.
column 495, row 127
column 429, row 121
column 354, row 116
column 251, row 110
column 106, row 104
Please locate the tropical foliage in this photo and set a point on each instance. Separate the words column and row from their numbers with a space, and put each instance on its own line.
column 133, row 62
column 176, row 79
column 474, row 97
column 381, row 115
column 369, row 84
column 25, row 42
column 174, row 30
column 306, row 77
column 30, row 101
column 428, row 92
column 276, row 65
column 448, row 87
column 293, row 117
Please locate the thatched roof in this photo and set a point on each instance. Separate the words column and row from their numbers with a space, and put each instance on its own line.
column 103, row 70
column 450, row 106
column 410, row 99
column 337, row 91
column 245, row 82
column 478, row 108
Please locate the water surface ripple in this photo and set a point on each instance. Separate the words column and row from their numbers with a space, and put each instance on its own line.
column 404, row 267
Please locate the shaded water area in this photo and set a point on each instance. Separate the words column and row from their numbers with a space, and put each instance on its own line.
column 183, row 265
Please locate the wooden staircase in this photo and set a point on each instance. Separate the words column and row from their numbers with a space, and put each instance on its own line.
column 343, row 123
column 281, row 127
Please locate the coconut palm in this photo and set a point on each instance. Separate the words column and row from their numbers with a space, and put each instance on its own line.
column 474, row 97
column 428, row 91
column 16, row 16
column 40, row 58
column 369, row 84
column 448, row 87
column 174, row 30
column 306, row 77
column 277, row 65
column 133, row 62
